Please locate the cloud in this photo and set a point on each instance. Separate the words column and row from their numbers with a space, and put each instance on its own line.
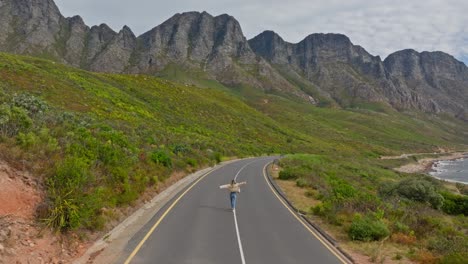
column 380, row 26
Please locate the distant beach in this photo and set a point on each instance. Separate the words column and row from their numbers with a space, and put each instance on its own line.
column 451, row 170
column 426, row 165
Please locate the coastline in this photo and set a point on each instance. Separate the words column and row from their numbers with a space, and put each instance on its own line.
column 425, row 165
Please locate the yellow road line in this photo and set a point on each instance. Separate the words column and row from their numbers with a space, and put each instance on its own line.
column 135, row 251
column 302, row 221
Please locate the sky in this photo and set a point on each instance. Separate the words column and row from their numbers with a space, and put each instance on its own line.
column 380, row 26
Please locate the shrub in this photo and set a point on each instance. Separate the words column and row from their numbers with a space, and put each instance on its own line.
column 416, row 189
column 13, row 120
column 30, row 103
column 180, row 149
column 444, row 244
column 367, row 229
column 287, row 174
column 342, row 190
column 322, row 209
column 192, row 162
column 162, row 158
column 64, row 214
column 454, row 258
column 455, row 204
column 216, row 156
column 28, row 140
column 400, row 227
column 66, row 190
column 301, row 182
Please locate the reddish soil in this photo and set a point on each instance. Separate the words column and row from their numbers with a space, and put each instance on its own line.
column 22, row 239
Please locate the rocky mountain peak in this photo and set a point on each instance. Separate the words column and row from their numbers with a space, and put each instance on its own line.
column 327, row 40
column 272, row 47
column 127, row 31
column 196, row 37
column 35, row 8
column 76, row 20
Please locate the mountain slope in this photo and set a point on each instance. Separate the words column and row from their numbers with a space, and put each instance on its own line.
column 323, row 69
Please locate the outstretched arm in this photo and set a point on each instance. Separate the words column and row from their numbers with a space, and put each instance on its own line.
column 224, row 186
column 242, row 183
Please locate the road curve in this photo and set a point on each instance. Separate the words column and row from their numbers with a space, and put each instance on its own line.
column 198, row 227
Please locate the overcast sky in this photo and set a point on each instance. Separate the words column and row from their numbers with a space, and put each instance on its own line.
column 380, row 26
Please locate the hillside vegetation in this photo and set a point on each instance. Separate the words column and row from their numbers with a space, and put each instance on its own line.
column 100, row 140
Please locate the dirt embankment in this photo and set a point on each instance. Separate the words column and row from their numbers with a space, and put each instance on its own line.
column 22, row 239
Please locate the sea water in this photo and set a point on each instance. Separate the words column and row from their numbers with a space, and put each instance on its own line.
column 451, row 170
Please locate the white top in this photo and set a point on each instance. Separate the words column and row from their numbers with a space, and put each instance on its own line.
column 233, row 187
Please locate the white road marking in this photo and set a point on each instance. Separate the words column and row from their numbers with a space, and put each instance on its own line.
column 235, row 177
column 238, row 237
column 235, row 219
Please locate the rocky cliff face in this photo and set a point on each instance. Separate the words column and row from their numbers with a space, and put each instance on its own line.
column 195, row 40
column 322, row 65
column 29, row 26
column 428, row 81
column 436, row 76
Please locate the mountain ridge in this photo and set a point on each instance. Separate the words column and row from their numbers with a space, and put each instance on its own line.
column 321, row 67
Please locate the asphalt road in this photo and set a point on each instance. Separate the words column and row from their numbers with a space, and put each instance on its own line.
column 198, row 227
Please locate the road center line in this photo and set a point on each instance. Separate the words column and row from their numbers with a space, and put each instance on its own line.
column 235, row 177
column 238, row 238
column 235, row 218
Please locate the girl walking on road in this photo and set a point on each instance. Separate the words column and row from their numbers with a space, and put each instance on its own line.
column 234, row 189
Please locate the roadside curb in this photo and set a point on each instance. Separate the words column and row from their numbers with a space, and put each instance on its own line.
column 109, row 248
column 302, row 214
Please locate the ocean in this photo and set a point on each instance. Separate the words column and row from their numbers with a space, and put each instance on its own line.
column 451, row 170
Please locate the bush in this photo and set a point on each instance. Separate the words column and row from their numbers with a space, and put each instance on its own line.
column 342, row 190
column 416, row 189
column 13, row 120
column 455, row 204
column 454, row 258
column 64, row 214
column 192, row 162
column 162, row 158
column 301, row 182
column 287, row 174
column 322, row 209
column 367, row 229
column 180, row 149
column 30, row 103
column 216, row 156
column 66, row 190
column 400, row 227
column 446, row 244
column 28, row 140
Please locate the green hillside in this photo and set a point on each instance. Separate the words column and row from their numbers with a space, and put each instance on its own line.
column 100, row 140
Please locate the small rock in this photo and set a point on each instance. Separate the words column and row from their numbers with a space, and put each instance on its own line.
column 32, row 244
column 2, row 249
